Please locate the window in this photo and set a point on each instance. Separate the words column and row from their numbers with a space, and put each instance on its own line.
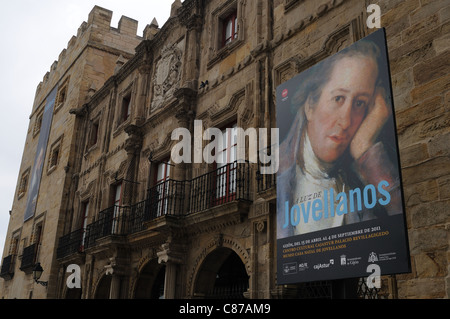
column 117, row 194
column 8, row 263
column 61, row 96
column 117, row 207
column 14, row 246
column 37, row 240
column 23, row 183
column 38, row 123
column 93, row 136
column 54, row 157
column 229, row 28
column 162, row 187
column 229, row 143
column 84, row 219
column 163, row 172
column 226, row 166
column 55, row 154
column 125, row 110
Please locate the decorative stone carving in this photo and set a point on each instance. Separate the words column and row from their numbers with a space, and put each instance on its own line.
column 115, row 267
column 167, row 75
column 170, row 254
column 134, row 141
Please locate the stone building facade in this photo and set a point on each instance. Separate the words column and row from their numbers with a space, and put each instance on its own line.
column 142, row 226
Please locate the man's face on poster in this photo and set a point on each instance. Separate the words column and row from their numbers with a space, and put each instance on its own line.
column 342, row 106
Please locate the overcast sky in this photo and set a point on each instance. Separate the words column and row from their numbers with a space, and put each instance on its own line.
column 33, row 34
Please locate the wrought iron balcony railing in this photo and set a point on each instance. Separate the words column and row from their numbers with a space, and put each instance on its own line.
column 166, row 199
column 28, row 258
column 7, row 269
column 71, row 243
column 170, row 198
column 137, row 217
column 225, row 184
column 111, row 221
column 265, row 182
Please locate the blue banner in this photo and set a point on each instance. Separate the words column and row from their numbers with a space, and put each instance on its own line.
column 38, row 166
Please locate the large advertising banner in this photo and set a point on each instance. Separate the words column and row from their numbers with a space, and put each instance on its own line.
column 36, row 173
column 339, row 197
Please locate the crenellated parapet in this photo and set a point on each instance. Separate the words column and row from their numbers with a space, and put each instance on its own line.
column 97, row 32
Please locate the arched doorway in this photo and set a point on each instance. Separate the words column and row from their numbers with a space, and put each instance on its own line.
column 150, row 284
column 74, row 293
column 222, row 276
column 103, row 288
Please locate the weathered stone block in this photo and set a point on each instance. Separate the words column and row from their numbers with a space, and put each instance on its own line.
column 434, row 126
column 409, row 54
column 433, row 68
column 421, row 193
column 414, row 154
column 395, row 6
column 427, row 239
column 442, row 44
column 430, row 89
column 440, row 145
column 444, row 187
column 402, row 100
column 426, row 288
column 427, row 109
column 100, row 17
column 425, row 10
column 402, row 81
column 429, row 265
column 429, row 214
column 427, row 170
column 416, row 30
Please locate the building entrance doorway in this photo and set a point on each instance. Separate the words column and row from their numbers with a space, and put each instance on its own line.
column 74, row 293
column 103, row 288
column 222, row 276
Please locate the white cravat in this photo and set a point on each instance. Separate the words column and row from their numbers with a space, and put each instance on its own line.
column 315, row 179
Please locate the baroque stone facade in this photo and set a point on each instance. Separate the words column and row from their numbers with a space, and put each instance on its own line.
column 140, row 226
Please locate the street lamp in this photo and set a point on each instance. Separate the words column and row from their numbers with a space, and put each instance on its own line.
column 37, row 272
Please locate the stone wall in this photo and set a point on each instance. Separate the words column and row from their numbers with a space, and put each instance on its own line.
column 276, row 40
column 84, row 66
column 418, row 41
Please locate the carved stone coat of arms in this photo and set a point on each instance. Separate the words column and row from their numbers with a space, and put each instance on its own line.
column 167, row 76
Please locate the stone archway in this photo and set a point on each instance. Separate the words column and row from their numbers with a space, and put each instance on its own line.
column 222, row 275
column 74, row 293
column 150, row 283
column 103, row 288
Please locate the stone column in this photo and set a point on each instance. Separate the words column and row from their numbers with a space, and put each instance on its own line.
column 117, row 272
column 142, row 90
column 133, row 146
column 192, row 50
column 185, row 120
column 185, row 117
column 114, row 292
column 172, row 259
